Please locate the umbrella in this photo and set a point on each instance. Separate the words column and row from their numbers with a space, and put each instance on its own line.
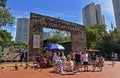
column 54, row 46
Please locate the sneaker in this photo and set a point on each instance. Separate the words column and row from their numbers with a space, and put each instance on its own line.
column 77, row 73
column 84, row 71
column 62, row 72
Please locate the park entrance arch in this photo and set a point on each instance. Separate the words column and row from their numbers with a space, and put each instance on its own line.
column 38, row 22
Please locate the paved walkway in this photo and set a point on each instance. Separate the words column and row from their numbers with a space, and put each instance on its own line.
column 109, row 71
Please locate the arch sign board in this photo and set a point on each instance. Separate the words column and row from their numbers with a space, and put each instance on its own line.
column 38, row 22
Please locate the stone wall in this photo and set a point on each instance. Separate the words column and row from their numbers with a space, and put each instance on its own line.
column 37, row 22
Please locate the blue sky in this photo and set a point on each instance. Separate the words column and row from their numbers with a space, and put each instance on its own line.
column 70, row 10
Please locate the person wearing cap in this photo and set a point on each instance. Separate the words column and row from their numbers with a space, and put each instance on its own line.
column 21, row 56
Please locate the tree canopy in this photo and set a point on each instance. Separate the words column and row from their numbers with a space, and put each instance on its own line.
column 6, row 17
column 5, row 37
column 106, row 41
column 94, row 35
column 58, row 36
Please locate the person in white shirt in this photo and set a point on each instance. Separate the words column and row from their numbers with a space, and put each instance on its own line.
column 116, row 56
column 85, row 60
column 55, row 57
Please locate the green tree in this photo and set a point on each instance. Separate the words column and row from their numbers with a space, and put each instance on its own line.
column 58, row 36
column 99, row 38
column 115, row 34
column 6, row 17
column 5, row 38
column 110, row 42
column 94, row 35
column 18, row 46
column 0, row 51
column 91, row 37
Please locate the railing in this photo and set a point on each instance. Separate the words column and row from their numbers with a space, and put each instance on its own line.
column 10, row 57
column 15, row 58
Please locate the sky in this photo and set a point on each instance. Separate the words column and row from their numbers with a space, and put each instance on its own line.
column 70, row 10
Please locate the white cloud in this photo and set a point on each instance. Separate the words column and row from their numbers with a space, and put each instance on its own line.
column 73, row 16
column 106, row 6
column 107, row 11
column 21, row 14
column 14, row 26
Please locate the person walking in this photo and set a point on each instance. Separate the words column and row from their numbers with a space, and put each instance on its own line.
column 99, row 62
column 85, row 60
column 93, row 60
column 26, row 58
column 21, row 56
column 113, row 58
column 116, row 56
column 77, row 61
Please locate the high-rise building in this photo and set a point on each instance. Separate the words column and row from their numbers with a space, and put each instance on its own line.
column 22, row 31
column 92, row 14
column 116, row 5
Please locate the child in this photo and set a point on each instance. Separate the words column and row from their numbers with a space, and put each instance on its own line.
column 69, row 64
column 99, row 63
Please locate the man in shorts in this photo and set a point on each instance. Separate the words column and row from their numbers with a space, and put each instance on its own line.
column 77, row 56
column 85, row 60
